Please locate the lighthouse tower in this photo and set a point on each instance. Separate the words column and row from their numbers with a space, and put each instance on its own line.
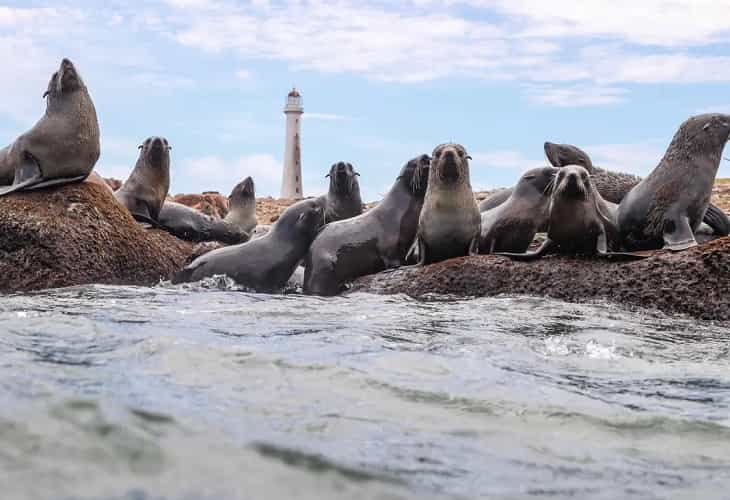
column 291, row 182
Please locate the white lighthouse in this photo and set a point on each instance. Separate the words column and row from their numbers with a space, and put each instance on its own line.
column 291, row 182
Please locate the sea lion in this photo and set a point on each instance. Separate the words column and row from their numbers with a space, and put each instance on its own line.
column 371, row 242
column 192, row 225
column 63, row 146
column 511, row 226
column 667, row 206
column 145, row 190
column 264, row 264
column 449, row 223
column 343, row 200
column 580, row 221
column 242, row 202
column 613, row 186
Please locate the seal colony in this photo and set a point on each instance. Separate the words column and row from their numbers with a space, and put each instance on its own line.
column 428, row 216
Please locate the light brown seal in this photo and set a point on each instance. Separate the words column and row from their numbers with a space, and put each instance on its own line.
column 63, row 146
column 449, row 224
column 242, row 203
column 342, row 200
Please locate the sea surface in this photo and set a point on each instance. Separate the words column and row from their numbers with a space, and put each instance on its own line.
column 206, row 392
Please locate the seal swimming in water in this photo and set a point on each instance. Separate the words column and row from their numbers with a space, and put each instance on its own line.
column 371, row 242
column 614, row 186
column 242, row 211
column 667, row 207
column 264, row 264
column 63, row 146
column 145, row 190
column 343, row 200
column 580, row 221
column 449, row 224
column 511, row 226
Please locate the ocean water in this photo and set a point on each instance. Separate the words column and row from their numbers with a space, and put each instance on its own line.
column 204, row 392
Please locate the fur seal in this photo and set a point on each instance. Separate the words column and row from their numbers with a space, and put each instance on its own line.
column 264, row 264
column 192, row 225
column 63, row 146
column 613, row 186
column 343, row 200
column 371, row 242
column 242, row 203
column 580, row 221
column 511, row 226
column 449, row 224
column 145, row 190
column 667, row 207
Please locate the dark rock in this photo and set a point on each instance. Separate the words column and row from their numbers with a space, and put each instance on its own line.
column 80, row 234
column 695, row 282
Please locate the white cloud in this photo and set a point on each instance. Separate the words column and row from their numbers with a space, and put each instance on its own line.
column 574, row 96
column 638, row 158
column 220, row 174
column 243, row 74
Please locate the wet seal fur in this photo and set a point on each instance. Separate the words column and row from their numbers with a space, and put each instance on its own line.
column 342, row 200
column 242, row 203
column 614, row 186
column 192, row 225
column 371, row 242
column 580, row 221
column 512, row 225
column 63, row 146
column 144, row 192
column 449, row 224
column 667, row 207
column 264, row 264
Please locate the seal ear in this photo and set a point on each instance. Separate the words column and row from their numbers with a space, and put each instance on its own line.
column 328, row 175
column 140, row 146
column 468, row 157
column 45, row 94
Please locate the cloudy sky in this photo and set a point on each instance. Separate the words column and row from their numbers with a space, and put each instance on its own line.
column 382, row 81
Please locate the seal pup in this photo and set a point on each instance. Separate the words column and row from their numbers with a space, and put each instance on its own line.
column 580, row 221
column 511, row 226
column 264, row 264
column 343, row 200
column 193, row 225
column 449, row 224
column 667, row 206
column 63, row 146
column 613, row 186
column 242, row 203
column 145, row 190
column 371, row 242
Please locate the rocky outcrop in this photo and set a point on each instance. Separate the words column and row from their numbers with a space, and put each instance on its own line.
column 79, row 234
column 210, row 203
column 695, row 282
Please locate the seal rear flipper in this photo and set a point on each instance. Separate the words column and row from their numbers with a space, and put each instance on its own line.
column 544, row 249
column 718, row 220
column 413, row 255
column 678, row 234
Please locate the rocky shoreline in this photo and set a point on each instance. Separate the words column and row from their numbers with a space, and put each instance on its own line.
column 79, row 234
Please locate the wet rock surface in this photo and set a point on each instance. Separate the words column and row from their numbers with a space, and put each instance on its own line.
column 79, row 234
column 695, row 282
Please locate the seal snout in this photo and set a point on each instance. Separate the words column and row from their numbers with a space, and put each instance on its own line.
column 156, row 148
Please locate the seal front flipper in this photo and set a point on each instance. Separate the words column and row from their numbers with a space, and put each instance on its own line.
column 544, row 249
column 28, row 176
column 678, row 234
column 717, row 220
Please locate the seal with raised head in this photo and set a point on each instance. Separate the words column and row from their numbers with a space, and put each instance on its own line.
column 449, row 224
column 342, row 200
column 667, row 207
column 63, row 146
column 580, row 221
column 145, row 190
column 614, row 186
column 371, row 242
column 242, row 206
column 512, row 225
column 264, row 264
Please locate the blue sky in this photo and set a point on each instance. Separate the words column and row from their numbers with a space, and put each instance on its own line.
column 382, row 81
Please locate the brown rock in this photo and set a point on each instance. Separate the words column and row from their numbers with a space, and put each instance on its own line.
column 695, row 282
column 79, row 234
column 210, row 203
